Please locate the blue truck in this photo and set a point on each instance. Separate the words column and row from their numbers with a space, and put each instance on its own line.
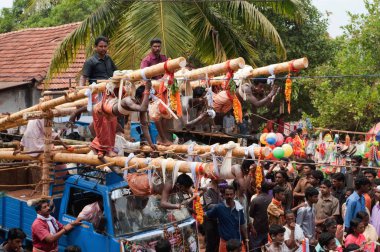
column 132, row 223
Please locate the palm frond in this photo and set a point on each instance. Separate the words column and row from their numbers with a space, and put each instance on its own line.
column 254, row 20
column 101, row 22
column 216, row 37
column 291, row 9
column 145, row 21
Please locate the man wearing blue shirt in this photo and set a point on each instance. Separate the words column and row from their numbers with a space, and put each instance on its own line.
column 356, row 202
column 231, row 221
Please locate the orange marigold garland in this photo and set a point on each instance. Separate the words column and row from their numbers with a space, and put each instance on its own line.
column 198, row 209
column 258, row 176
column 175, row 98
column 230, row 86
column 174, row 94
column 288, row 91
column 238, row 111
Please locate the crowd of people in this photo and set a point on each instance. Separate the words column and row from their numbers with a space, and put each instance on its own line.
column 295, row 207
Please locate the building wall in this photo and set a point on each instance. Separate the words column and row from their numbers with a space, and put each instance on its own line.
column 18, row 98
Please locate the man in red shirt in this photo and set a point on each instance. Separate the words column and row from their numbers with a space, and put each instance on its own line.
column 154, row 57
column 46, row 230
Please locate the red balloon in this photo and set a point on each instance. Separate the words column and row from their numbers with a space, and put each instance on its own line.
column 280, row 139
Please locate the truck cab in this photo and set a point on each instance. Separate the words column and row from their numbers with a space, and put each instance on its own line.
column 130, row 222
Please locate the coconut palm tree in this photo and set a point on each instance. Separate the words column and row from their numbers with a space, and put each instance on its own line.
column 207, row 30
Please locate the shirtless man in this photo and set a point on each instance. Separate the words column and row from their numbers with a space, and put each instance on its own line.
column 250, row 92
column 299, row 190
column 105, row 118
column 183, row 188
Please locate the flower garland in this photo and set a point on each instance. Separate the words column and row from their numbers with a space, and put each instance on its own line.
column 230, row 86
column 175, row 98
column 258, row 173
column 288, row 91
column 259, row 176
column 198, row 209
column 174, row 94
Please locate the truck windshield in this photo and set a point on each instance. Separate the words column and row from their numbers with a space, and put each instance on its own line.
column 133, row 214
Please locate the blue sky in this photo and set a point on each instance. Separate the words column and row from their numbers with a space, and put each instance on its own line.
column 337, row 10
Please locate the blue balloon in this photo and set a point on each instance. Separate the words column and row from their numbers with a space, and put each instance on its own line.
column 378, row 136
column 271, row 138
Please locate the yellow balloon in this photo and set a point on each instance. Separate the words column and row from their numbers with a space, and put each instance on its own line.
column 288, row 150
column 263, row 138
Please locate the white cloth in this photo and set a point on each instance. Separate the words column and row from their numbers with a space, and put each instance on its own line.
column 52, row 223
column 298, row 236
column 121, row 143
column 34, row 138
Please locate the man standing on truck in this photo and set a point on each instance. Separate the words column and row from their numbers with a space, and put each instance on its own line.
column 46, row 230
column 14, row 241
column 153, row 58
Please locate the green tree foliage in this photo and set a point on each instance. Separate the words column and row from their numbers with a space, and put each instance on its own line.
column 301, row 39
column 25, row 14
column 351, row 103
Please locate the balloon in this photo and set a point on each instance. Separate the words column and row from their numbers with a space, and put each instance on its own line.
column 280, row 139
column 263, row 138
column 271, row 138
column 288, row 150
column 278, row 152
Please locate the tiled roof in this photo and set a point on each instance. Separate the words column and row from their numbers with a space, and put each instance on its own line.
column 26, row 55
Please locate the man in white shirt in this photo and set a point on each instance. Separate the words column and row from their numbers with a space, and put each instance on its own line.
column 293, row 245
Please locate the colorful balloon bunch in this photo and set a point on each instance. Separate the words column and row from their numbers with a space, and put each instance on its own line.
column 274, row 147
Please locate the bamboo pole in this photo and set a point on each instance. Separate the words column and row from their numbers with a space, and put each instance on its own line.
column 13, row 124
column 62, row 111
column 184, row 166
column 197, row 83
column 78, row 103
column 298, row 64
column 149, row 72
column 51, row 104
column 12, row 144
column 79, row 149
column 154, row 70
column 220, row 150
column 212, row 70
column 55, row 92
column 56, row 113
